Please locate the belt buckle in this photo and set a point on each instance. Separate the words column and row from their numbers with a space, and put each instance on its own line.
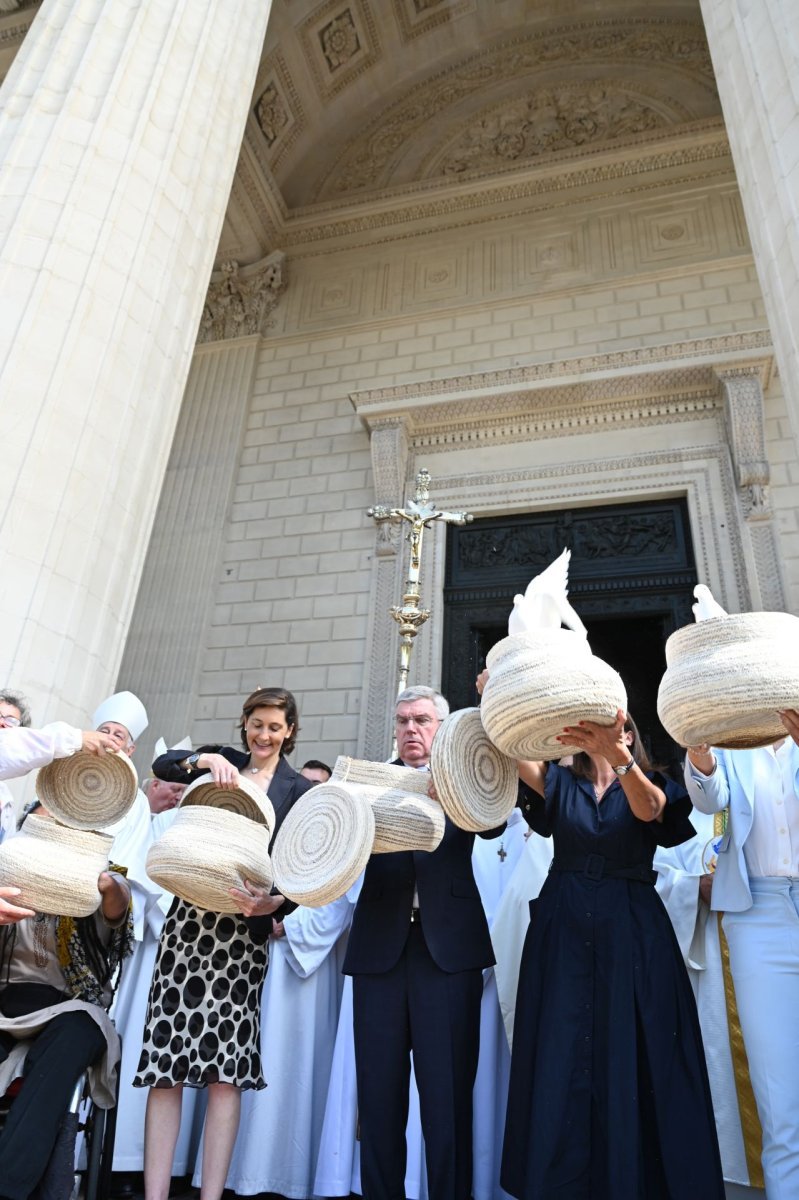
column 595, row 866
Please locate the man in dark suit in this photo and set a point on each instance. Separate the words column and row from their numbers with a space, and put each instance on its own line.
column 418, row 944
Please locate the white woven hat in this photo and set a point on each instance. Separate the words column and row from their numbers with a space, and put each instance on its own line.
column 205, row 852
column 323, row 844
column 246, row 799
column 56, row 868
column 124, row 709
column 539, row 683
column 727, row 677
column 476, row 783
column 88, row 791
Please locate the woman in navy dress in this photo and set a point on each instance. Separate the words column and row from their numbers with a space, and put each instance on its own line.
column 609, row 1097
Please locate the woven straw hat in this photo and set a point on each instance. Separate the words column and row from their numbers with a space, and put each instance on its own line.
column 323, row 844
column 205, row 852
column 88, row 791
column 246, row 799
column 476, row 783
column 538, row 683
column 55, row 867
column 726, row 678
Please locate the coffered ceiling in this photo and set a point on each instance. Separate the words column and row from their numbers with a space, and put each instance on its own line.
column 360, row 102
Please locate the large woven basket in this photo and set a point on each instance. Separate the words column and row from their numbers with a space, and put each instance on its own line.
column 540, row 682
column 88, row 791
column 246, row 799
column 475, row 782
column 727, row 677
column 323, row 844
column 205, row 852
column 405, row 816
column 56, row 868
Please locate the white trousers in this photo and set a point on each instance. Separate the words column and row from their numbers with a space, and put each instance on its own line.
column 764, row 960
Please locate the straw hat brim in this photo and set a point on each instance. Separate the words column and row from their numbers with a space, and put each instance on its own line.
column 476, row 783
column 323, row 844
column 88, row 791
column 246, row 799
column 55, row 867
column 207, row 851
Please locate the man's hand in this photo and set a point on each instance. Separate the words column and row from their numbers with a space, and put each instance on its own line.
column 97, row 743
column 9, row 912
column 278, row 929
column 705, row 888
column 255, row 901
column 115, row 897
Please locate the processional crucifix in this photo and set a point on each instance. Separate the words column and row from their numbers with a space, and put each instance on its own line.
column 419, row 513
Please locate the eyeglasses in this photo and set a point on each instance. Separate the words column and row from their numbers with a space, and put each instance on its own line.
column 11, row 722
column 420, row 721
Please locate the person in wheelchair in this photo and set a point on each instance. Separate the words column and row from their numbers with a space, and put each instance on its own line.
column 56, row 984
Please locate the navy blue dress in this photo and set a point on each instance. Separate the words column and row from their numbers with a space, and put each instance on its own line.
column 609, row 1097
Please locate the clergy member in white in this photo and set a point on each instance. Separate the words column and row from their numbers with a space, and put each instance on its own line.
column 281, row 1126
column 681, row 872
column 756, row 886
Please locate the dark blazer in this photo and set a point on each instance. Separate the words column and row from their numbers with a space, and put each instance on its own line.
column 452, row 917
column 284, row 791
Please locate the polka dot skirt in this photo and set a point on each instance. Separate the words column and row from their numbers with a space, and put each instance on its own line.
column 203, row 1013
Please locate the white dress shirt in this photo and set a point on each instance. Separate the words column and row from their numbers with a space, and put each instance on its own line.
column 772, row 847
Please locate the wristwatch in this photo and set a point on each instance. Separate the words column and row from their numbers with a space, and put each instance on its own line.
column 191, row 762
column 622, row 770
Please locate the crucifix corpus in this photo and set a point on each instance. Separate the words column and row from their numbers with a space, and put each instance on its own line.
column 418, row 513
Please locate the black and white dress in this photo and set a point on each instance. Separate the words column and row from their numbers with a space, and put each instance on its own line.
column 203, row 1013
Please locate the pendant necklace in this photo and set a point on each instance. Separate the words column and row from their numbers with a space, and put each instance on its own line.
column 502, row 853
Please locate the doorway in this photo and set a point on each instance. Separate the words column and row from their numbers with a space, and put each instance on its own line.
column 632, row 575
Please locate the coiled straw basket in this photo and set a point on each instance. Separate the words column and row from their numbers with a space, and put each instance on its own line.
column 727, row 677
column 540, row 682
column 205, row 852
column 56, row 868
column 88, row 791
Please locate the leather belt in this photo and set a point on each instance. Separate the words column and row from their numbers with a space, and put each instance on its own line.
column 415, row 916
column 597, row 866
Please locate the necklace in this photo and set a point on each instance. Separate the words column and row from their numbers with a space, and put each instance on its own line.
column 502, row 852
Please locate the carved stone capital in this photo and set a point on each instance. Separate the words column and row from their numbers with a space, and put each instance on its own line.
column 742, row 391
column 240, row 300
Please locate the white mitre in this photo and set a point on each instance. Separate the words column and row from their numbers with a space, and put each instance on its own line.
column 161, row 746
column 545, row 604
column 125, row 709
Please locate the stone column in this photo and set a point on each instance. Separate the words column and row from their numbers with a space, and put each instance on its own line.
column 390, row 454
column 120, row 128
column 744, row 421
column 755, row 50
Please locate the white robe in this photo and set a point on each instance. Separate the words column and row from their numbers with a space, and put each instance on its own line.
column 679, row 870
column 280, row 1127
column 133, row 837
column 338, row 1168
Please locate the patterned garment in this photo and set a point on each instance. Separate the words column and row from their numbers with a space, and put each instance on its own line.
column 203, row 1014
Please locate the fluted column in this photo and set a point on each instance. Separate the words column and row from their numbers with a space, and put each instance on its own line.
column 169, row 632
column 754, row 45
column 120, row 127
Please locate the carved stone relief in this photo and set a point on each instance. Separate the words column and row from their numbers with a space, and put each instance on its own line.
column 416, row 17
column 340, row 42
column 240, row 300
column 548, row 120
column 278, row 111
column 371, row 159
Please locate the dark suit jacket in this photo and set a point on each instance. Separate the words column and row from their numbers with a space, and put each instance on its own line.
column 284, row 791
column 453, row 921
